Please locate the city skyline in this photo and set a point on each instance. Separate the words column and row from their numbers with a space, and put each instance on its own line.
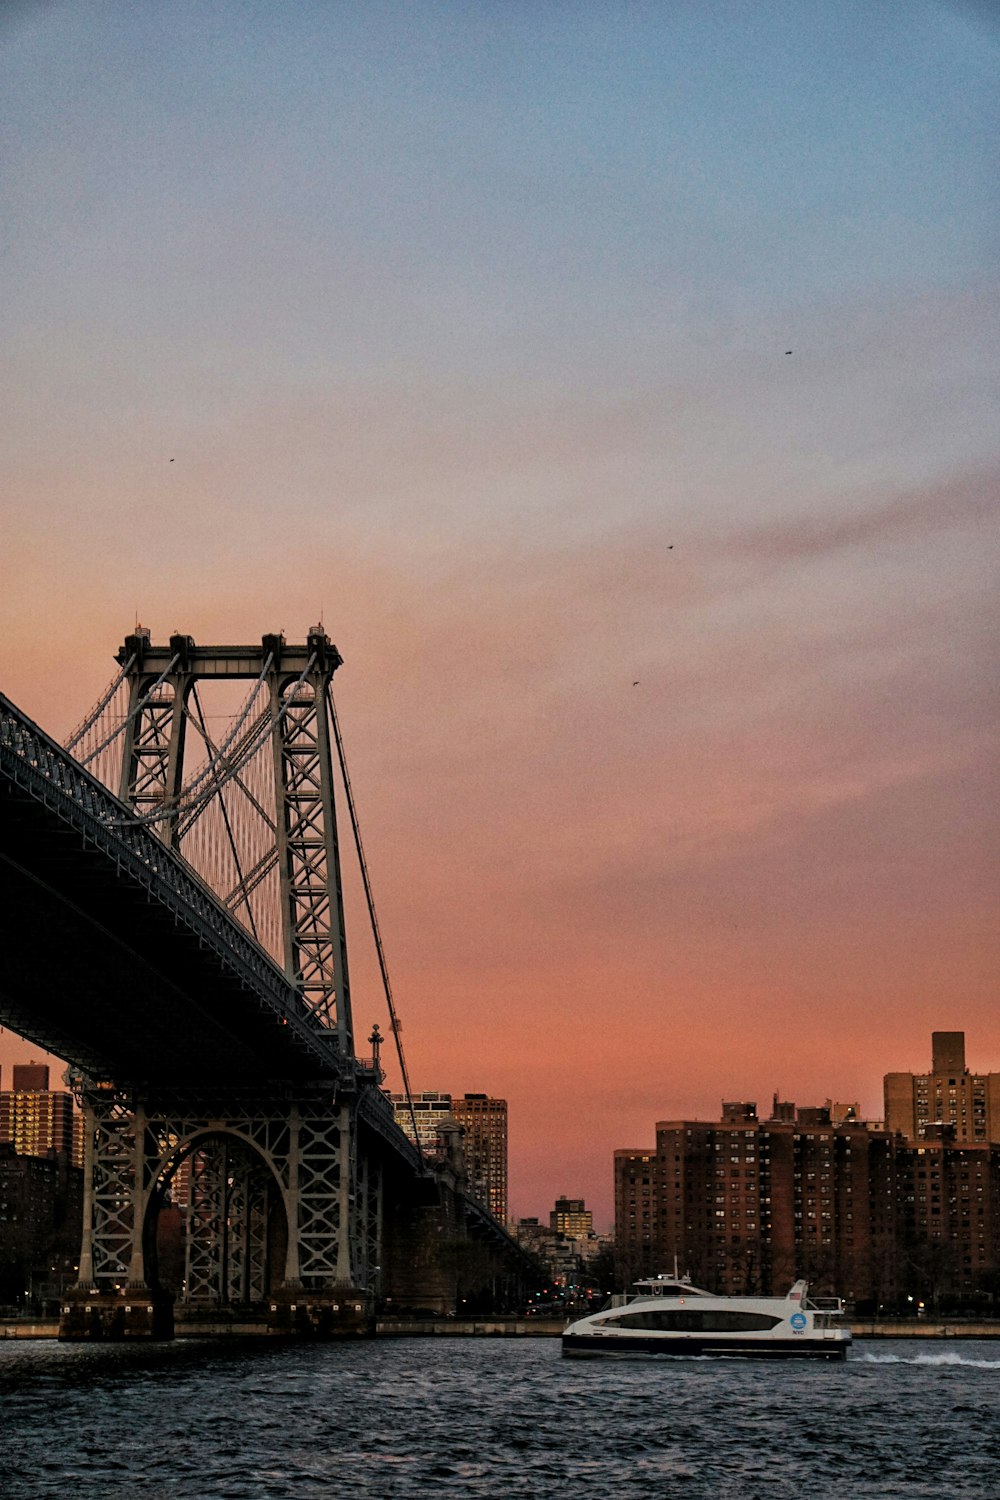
column 15, row 1051
column 621, row 396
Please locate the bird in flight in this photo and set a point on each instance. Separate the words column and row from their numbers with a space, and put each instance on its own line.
column 636, row 683
column 788, row 351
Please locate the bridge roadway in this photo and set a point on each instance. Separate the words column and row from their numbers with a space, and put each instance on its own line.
column 117, row 956
column 120, row 960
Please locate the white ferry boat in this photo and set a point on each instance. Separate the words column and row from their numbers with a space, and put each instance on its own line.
column 667, row 1315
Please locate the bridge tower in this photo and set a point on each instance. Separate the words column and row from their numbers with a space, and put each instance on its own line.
column 285, row 726
column 183, row 950
column 281, row 1215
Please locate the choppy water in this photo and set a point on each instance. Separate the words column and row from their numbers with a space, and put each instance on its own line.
column 403, row 1418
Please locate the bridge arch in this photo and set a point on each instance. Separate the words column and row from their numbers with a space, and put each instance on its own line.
column 227, row 1244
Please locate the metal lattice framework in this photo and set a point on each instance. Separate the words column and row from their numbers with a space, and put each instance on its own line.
column 31, row 760
column 226, row 1250
column 229, row 842
column 312, row 896
column 252, row 811
column 370, row 1201
column 237, row 1154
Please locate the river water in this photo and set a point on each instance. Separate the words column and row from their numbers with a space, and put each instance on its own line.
column 401, row 1418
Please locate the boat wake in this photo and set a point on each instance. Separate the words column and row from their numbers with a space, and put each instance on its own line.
column 925, row 1359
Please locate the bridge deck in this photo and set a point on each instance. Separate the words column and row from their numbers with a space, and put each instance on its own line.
column 117, row 957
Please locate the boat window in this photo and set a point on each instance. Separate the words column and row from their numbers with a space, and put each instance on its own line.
column 697, row 1320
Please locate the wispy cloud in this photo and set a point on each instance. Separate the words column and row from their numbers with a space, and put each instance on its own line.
column 955, row 504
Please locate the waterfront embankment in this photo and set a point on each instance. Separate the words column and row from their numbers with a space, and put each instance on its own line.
column 552, row 1327
column 48, row 1328
column 906, row 1328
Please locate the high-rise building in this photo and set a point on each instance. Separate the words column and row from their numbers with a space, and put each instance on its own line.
column 29, row 1191
column 572, row 1217
column 748, row 1205
column 430, row 1110
column 30, row 1077
column 948, row 1095
column 484, row 1125
column 484, row 1120
column 637, row 1205
column 951, row 1212
column 36, row 1119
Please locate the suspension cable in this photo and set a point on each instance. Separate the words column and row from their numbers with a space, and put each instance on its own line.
column 225, row 812
column 99, row 707
column 193, row 807
column 133, row 713
column 376, row 934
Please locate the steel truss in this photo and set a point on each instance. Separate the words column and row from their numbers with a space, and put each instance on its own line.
column 370, row 1205
column 255, row 815
column 35, row 763
column 292, row 833
column 228, row 1211
column 280, row 844
column 154, row 748
column 312, row 896
column 243, row 1159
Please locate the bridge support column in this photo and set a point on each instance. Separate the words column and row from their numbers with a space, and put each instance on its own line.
column 112, row 1299
column 345, row 1194
column 137, row 1267
column 324, row 1293
column 268, row 1183
column 292, row 1200
column 369, row 1208
column 85, row 1275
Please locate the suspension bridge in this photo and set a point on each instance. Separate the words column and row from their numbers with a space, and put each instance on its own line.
column 176, row 920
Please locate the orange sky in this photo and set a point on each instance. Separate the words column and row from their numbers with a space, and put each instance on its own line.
column 770, row 864
column 670, row 658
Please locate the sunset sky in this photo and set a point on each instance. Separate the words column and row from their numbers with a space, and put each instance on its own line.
column 670, row 655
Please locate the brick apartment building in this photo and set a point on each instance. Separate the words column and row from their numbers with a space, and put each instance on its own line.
column 950, row 1094
column 747, row 1205
column 484, row 1142
column 36, row 1119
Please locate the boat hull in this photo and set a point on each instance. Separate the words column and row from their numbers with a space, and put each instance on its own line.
column 604, row 1345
